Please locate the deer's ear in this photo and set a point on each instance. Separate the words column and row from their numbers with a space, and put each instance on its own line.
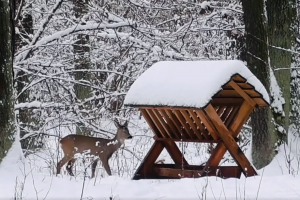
column 126, row 123
column 116, row 123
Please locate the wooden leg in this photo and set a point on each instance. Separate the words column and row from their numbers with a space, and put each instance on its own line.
column 146, row 166
column 229, row 143
column 175, row 153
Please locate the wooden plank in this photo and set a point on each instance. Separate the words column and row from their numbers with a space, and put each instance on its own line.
column 175, row 153
column 208, row 124
column 191, row 123
column 242, row 93
column 197, row 120
column 187, row 140
column 146, row 165
column 237, row 78
column 216, row 101
column 242, row 85
column 150, row 122
column 230, row 143
column 171, row 124
column 172, row 172
column 163, row 123
column 157, row 123
column 184, row 124
column 233, row 93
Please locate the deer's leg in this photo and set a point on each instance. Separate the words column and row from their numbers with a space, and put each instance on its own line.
column 106, row 166
column 70, row 165
column 94, row 165
column 61, row 163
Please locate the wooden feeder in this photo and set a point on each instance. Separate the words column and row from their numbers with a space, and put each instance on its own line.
column 196, row 101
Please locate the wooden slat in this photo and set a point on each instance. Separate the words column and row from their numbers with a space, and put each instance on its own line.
column 163, row 123
column 230, row 143
column 176, row 122
column 242, row 93
column 226, row 113
column 231, row 116
column 233, row 93
column 175, row 131
column 236, row 102
column 221, row 110
column 150, row 122
column 192, row 125
column 208, row 124
column 157, row 123
column 184, row 124
column 197, row 120
column 187, row 140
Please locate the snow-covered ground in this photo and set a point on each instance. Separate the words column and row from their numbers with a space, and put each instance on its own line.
column 33, row 178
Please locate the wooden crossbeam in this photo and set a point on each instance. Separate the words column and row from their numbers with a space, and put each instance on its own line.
column 242, row 93
column 175, row 153
column 230, row 143
column 187, row 140
column 148, row 162
column 235, row 126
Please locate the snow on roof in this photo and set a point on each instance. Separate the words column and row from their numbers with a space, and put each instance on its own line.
column 187, row 83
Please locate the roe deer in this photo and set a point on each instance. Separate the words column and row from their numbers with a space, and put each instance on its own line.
column 100, row 147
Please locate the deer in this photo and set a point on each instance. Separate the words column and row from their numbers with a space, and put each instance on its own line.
column 101, row 148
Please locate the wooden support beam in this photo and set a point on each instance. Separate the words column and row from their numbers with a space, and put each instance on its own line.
column 230, row 143
column 242, row 93
column 175, row 153
column 148, row 162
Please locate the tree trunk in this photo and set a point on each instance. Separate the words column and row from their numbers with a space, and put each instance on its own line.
column 295, row 96
column 263, row 131
column 25, row 28
column 82, row 61
column 280, row 18
column 7, row 123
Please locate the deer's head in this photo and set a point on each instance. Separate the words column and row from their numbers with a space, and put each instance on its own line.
column 122, row 132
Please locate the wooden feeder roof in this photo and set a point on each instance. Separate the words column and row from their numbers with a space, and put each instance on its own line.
column 194, row 84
